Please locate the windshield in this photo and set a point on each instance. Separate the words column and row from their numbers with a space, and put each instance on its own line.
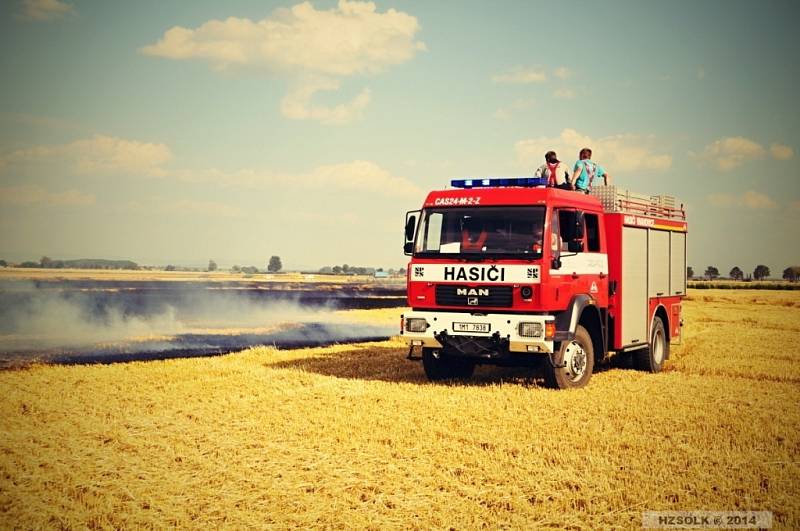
column 507, row 231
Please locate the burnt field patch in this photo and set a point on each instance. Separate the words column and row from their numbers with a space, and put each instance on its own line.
column 84, row 321
column 145, row 297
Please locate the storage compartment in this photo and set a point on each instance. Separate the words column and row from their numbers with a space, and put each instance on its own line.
column 658, row 263
column 634, row 285
column 677, row 258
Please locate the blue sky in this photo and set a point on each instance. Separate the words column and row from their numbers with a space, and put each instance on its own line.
column 175, row 132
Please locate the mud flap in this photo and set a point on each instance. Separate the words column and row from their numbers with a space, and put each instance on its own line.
column 414, row 353
column 567, row 321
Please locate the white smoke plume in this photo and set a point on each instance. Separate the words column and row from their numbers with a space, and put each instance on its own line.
column 48, row 323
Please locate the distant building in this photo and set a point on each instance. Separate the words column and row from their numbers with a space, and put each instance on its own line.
column 381, row 274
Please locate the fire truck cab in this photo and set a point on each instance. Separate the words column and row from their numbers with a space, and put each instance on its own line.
column 510, row 272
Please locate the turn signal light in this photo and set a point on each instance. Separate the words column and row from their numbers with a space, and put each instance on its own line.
column 550, row 330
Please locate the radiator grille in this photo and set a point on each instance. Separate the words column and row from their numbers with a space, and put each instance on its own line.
column 475, row 296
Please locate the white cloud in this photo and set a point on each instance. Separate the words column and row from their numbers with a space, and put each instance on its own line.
column 781, row 151
column 105, row 154
column 521, row 75
column 562, row 72
column 564, row 93
column 303, row 43
column 329, row 218
column 188, row 206
column 45, row 9
column 701, row 73
column 297, row 103
column 115, row 156
column 731, row 152
column 501, row 114
column 505, row 113
column 161, row 206
column 749, row 199
column 752, row 199
column 363, row 176
column 360, row 176
column 352, row 38
column 31, row 195
column 45, row 122
column 99, row 154
column 617, row 154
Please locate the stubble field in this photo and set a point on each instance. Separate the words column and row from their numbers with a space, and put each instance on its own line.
column 353, row 436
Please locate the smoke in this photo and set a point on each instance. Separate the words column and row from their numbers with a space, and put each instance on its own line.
column 47, row 319
column 100, row 323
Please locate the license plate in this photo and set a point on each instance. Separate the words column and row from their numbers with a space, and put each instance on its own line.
column 481, row 328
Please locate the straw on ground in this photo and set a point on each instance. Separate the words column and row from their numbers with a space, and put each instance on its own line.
column 353, row 436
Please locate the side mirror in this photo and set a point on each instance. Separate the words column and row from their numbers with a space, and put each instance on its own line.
column 411, row 223
column 411, row 228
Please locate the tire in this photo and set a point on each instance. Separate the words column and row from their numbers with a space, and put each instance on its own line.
column 577, row 356
column 651, row 359
column 438, row 367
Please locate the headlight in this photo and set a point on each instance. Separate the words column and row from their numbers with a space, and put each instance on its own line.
column 416, row 325
column 531, row 329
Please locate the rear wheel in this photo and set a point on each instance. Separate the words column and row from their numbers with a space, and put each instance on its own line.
column 573, row 363
column 439, row 367
column 651, row 359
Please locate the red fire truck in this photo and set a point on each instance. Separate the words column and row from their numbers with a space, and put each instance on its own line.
column 510, row 272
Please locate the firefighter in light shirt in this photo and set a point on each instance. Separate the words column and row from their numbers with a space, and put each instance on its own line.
column 556, row 172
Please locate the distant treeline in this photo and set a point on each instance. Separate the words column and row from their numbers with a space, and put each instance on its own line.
column 82, row 263
column 357, row 270
column 744, row 285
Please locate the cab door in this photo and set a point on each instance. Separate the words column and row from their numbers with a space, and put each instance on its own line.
column 583, row 267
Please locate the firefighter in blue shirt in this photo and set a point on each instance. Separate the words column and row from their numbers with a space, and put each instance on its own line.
column 586, row 171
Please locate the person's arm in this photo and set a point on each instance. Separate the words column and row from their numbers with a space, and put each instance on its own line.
column 604, row 174
column 576, row 174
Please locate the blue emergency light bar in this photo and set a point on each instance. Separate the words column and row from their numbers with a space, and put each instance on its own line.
column 499, row 181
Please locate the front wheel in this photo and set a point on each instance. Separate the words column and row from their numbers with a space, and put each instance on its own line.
column 573, row 364
column 438, row 367
column 651, row 359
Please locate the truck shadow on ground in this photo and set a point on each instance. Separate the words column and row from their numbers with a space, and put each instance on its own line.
column 371, row 363
column 390, row 365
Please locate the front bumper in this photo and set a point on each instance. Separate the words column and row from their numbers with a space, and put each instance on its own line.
column 502, row 328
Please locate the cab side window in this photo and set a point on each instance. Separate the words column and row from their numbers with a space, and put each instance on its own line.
column 555, row 238
column 572, row 228
column 592, row 233
column 566, row 222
